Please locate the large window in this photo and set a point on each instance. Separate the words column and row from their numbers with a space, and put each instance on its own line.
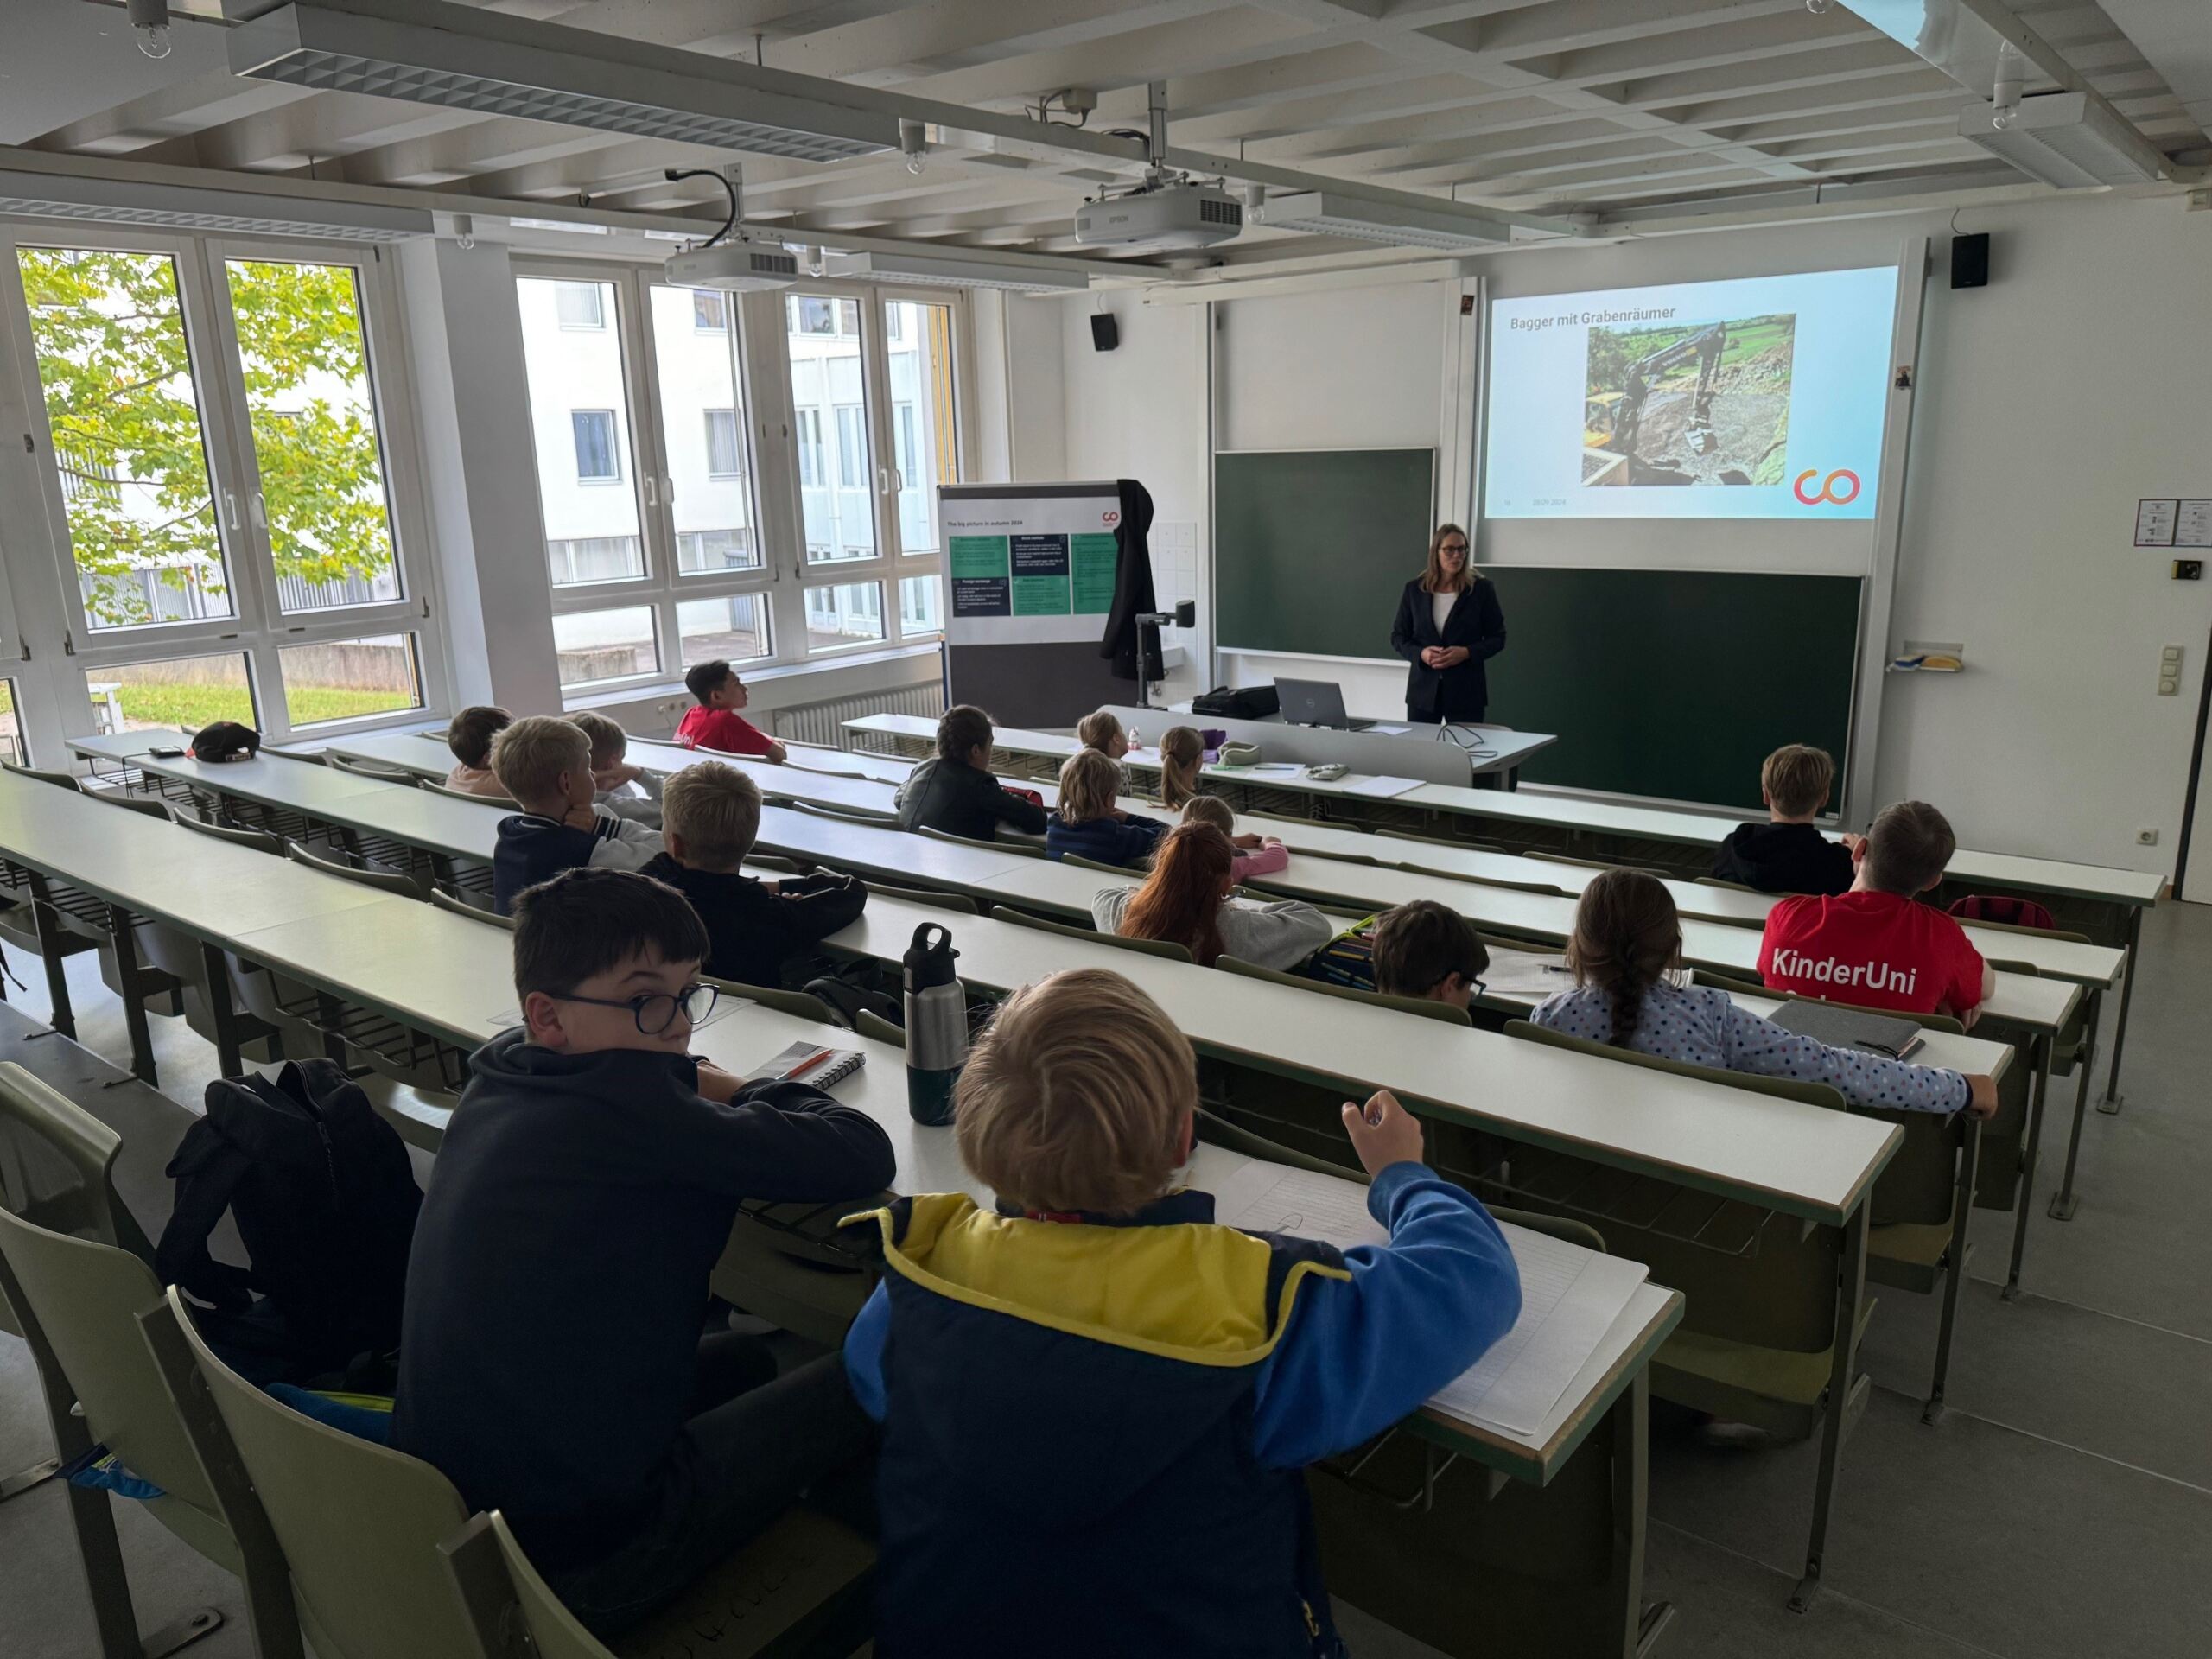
column 579, row 420
column 224, row 462
column 752, row 477
column 831, row 392
column 653, row 527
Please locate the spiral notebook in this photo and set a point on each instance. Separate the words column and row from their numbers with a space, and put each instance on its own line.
column 809, row 1063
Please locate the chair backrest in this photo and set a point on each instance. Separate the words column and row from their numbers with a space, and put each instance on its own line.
column 1425, row 1007
column 1083, row 863
column 360, row 1524
column 262, row 841
column 82, row 1299
column 1544, row 887
column 148, row 804
column 1594, row 864
column 1733, row 887
column 1797, row 1088
column 364, row 769
column 867, row 815
column 59, row 779
column 445, row 899
column 771, row 996
column 958, row 903
column 2002, row 911
column 514, row 1610
column 1167, row 948
column 437, row 788
column 382, row 881
column 1943, row 1022
column 867, row 1023
column 1442, row 841
column 2054, row 932
column 1020, row 848
column 57, row 1164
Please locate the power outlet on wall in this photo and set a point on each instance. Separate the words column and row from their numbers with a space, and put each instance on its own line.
column 2146, row 837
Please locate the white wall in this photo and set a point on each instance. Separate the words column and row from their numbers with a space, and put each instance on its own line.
column 2048, row 402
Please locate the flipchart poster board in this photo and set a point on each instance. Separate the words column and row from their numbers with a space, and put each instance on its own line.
column 1029, row 569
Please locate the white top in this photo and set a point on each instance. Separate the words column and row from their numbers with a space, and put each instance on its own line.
column 1440, row 605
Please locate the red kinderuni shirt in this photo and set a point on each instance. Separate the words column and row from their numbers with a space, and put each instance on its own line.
column 718, row 729
column 1875, row 949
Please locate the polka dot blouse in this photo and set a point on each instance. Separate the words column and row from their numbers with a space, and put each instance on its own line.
column 1703, row 1025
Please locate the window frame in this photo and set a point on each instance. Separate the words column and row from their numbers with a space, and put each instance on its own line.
column 53, row 698
column 666, row 585
column 773, row 438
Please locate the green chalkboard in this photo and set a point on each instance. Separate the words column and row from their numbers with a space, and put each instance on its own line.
column 1674, row 683
column 1311, row 546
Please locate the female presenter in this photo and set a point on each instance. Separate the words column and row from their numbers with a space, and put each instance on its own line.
column 1449, row 625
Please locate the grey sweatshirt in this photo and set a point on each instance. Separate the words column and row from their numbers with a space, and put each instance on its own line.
column 1279, row 935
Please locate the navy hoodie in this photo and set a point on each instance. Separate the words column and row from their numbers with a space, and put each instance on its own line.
column 1124, row 842
column 559, row 1277
column 1784, row 858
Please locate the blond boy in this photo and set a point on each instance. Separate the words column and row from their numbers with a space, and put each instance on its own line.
column 1097, row 1401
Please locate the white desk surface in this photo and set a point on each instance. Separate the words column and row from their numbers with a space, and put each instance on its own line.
column 1655, row 824
column 450, row 975
column 468, row 829
column 203, row 885
column 124, row 745
column 1325, row 879
column 1246, row 1017
column 1800, row 1158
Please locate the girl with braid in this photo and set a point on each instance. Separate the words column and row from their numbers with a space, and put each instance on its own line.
column 1628, row 937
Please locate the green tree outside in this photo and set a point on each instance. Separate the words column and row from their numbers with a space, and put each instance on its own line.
column 114, row 367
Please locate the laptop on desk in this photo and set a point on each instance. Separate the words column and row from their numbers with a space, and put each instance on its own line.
column 1317, row 703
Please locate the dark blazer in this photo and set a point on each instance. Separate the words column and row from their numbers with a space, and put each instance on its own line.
column 1475, row 621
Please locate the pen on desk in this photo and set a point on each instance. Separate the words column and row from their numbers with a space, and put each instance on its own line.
column 808, row 1063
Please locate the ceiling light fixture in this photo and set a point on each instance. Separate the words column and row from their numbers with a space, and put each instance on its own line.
column 2061, row 139
column 958, row 270
column 467, row 63
column 188, row 208
column 1446, row 227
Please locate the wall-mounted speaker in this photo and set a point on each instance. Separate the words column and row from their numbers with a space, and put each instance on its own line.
column 1105, row 333
column 1970, row 261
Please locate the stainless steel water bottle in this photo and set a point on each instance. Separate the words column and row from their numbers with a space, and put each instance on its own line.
column 937, row 1024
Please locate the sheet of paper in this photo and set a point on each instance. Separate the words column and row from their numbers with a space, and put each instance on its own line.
column 1529, row 975
column 2154, row 522
column 1381, row 730
column 1382, row 788
column 2193, row 525
column 1569, row 1299
column 1570, row 1296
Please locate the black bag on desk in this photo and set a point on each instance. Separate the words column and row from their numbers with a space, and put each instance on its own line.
column 325, row 1200
column 1248, row 703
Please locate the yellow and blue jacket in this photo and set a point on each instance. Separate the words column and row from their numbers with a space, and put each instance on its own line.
column 1094, row 1426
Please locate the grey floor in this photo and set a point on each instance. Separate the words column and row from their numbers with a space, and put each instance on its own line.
column 2062, row 1508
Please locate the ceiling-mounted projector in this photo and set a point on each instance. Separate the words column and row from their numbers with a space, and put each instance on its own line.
column 729, row 259
column 1170, row 214
column 733, row 267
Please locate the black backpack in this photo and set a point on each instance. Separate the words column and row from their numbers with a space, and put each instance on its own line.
column 325, row 1200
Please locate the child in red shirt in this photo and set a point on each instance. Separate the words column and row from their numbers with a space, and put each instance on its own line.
column 715, row 724
column 1876, row 945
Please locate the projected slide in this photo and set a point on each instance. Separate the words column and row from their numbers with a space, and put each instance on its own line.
column 1760, row 397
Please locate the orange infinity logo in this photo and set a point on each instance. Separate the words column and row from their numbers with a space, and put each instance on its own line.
column 1827, row 490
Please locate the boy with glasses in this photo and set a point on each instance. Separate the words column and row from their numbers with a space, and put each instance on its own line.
column 551, row 1360
column 1424, row 950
